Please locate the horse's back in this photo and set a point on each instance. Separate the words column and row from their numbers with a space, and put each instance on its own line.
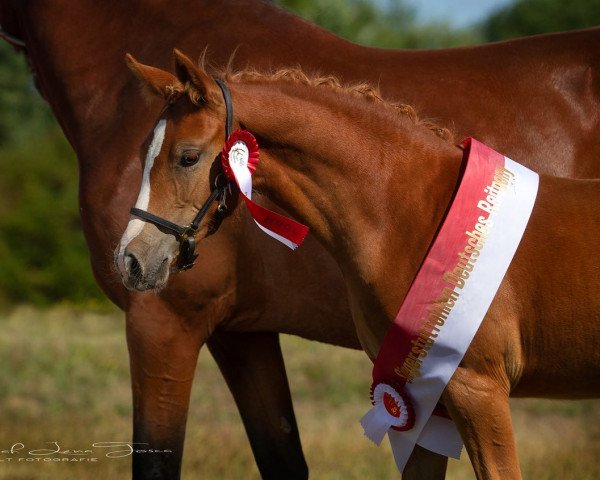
column 535, row 99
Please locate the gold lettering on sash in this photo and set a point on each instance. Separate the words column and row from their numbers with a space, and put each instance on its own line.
column 456, row 278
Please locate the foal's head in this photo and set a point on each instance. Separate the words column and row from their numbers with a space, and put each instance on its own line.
column 181, row 170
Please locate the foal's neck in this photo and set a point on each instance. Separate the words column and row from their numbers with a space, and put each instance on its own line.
column 371, row 184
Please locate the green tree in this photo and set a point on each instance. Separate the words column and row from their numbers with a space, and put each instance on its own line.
column 21, row 109
column 529, row 17
column 43, row 256
column 383, row 23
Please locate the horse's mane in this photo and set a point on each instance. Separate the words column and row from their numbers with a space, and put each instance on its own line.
column 297, row 75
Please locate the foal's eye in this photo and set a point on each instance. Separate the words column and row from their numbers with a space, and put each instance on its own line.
column 189, row 158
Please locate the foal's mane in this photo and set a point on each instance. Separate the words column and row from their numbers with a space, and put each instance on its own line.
column 297, row 75
column 362, row 90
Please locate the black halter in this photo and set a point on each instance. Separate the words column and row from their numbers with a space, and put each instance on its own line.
column 185, row 233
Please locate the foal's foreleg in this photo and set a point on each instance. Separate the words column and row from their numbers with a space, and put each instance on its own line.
column 479, row 407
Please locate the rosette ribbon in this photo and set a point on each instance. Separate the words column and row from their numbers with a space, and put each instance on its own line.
column 239, row 158
column 392, row 408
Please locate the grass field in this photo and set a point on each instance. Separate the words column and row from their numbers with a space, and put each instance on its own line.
column 64, row 377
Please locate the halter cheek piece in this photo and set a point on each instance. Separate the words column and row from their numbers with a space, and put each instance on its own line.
column 185, row 233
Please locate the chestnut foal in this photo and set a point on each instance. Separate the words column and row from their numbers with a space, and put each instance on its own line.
column 373, row 184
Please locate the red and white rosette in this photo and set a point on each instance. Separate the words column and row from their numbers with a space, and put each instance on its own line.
column 239, row 158
column 240, row 149
column 392, row 408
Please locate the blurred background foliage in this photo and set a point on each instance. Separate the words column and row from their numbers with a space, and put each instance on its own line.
column 43, row 257
column 530, row 17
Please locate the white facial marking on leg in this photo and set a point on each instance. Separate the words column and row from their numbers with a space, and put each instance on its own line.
column 135, row 225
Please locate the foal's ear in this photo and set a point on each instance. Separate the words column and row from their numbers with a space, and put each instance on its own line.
column 155, row 81
column 188, row 72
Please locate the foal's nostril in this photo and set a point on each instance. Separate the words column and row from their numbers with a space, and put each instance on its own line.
column 133, row 266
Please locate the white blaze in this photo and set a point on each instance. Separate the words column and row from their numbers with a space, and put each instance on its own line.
column 135, row 225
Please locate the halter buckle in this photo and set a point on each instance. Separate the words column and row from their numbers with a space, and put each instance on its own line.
column 188, row 232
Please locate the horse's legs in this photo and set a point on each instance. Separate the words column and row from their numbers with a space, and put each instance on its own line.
column 424, row 464
column 479, row 406
column 253, row 366
column 163, row 351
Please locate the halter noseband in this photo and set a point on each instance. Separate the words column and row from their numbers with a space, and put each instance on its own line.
column 185, row 233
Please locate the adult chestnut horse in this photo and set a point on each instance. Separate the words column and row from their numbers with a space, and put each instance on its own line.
column 534, row 98
column 374, row 184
